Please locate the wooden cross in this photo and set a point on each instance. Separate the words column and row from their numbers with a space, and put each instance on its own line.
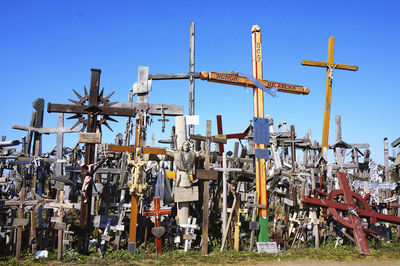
column 20, row 222
column 157, row 230
column 93, row 109
column 59, row 130
column 206, row 175
column 59, row 224
column 329, row 65
column 354, row 213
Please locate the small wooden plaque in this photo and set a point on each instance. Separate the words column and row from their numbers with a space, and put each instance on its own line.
column 60, row 226
column 183, row 194
column 20, row 222
column 207, row 174
column 94, row 138
column 187, row 237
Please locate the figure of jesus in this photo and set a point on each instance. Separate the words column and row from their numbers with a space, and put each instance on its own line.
column 88, row 171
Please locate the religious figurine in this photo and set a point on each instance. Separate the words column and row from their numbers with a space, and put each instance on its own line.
column 137, row 164
column 184, row 191
column 88, row 171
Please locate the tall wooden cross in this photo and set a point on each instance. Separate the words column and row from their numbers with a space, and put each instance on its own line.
column 206, row 175
column 258, row 111
column 97, row 105
column 329, row 65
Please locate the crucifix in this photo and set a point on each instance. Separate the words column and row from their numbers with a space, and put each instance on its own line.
column 142, row 89
column 330, row 66
column 98, row 105
column 157, row 230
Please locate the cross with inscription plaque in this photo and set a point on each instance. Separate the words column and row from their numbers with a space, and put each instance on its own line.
column 97, row 105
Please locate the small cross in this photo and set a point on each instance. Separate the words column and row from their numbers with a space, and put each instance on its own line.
column 158, row 230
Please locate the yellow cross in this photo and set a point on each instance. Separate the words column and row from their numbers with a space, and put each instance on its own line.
column 329, row 65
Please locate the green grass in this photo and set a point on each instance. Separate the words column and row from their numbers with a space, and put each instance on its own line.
column 379, row 251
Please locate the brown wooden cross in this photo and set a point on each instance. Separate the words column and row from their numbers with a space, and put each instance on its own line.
column 97, row 105
column 157, row 230
column 206, row 175
column 59, row 225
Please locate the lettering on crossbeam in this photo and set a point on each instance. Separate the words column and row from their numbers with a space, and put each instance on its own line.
column 279, row 85
column 231, row 78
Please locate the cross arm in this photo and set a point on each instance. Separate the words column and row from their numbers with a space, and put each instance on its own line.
column 324, row 64
column 82, row 109
column 154, row 109
column 216, row 139
column 242, row 81
column 51, row 130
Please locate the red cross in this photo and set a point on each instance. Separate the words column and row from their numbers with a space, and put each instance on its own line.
column 157, row 212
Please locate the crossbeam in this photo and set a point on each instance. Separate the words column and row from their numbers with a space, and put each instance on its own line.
column 245, row 82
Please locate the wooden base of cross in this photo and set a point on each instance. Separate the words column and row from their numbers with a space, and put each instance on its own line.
column 353, row 211
column 157, row 230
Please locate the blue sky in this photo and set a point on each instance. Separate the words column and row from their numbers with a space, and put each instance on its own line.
column 48, row 47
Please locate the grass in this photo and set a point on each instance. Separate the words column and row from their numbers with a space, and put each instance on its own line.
column 380, row 251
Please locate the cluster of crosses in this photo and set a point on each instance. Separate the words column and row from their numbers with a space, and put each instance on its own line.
column 112, row 195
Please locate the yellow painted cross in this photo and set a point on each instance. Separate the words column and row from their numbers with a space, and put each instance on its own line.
column 258, row 111
column 329, row 65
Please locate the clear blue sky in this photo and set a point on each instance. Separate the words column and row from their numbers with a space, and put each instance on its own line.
column 48, row 47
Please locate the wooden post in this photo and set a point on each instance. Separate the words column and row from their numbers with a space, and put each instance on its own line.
column 329, row 65
column 258, row 111
column 191, row 80
column 206, row 193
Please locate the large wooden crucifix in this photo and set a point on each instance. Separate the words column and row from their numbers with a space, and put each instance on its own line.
column 97, row 105
column 329, row 65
